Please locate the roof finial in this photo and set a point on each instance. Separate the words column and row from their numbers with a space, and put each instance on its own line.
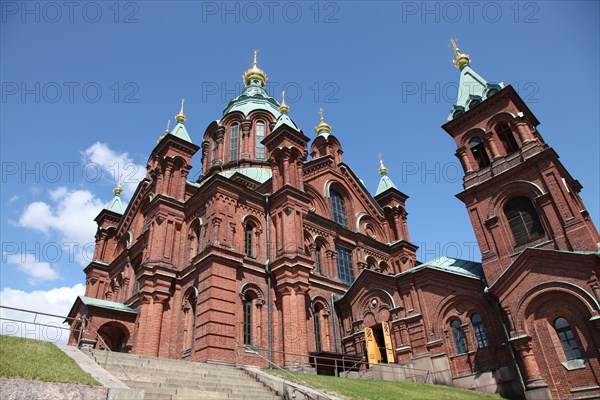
column 283, row 108
column 118, row 190
column 460, row 59
column 382, row 169
column 323, row 126
column 167, row 131
column 255, row 72
column 181, row 116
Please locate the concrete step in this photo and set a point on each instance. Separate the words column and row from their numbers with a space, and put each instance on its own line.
column 165, row 379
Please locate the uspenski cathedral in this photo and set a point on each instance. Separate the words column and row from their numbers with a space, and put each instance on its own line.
column 278, row 249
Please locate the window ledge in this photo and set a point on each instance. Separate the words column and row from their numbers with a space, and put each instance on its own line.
column 570, row 365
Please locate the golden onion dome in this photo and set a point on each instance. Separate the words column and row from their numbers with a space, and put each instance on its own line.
column 323, row 126
column 255, row 72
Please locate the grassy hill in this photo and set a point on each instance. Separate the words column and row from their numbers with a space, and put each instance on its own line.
column 359, row 389
column 42, row 361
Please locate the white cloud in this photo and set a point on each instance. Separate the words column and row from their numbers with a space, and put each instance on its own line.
column 57, row 301
column 71, row 214
column 32, row 266
column 119, row 166
column 13, row 199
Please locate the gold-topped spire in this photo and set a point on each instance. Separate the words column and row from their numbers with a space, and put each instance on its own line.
column 181, row 116
column 167, row 131
column 382, row 169
column 283, row 108
column 460, row 59
column 255, row 72
column 118, row 190
column 323, row 126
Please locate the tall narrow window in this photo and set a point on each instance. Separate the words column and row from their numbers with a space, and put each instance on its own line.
column 479, row 330
column 247, row 320
column 338, row 209
column 317, row 323
column 344, row 263
column 507, row 138
column 214, row 151
column 233, row 142
column 260, row 135
column 479, row 153
column 248, row 239
column 459, row 337
column 523, row 220
column 567, row 339
column 318, row 266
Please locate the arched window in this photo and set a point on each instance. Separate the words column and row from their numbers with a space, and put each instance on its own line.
column 248, row 239
column 338, row 209
column 459, row 337
column 523, row 220
column 567, row 339
column 260, row 135
column 480, row 335
column 506, row 137
column 344, row 262
column 233, row 142
column 479, row 153
column 317, row 324
column 318, row 262
column 247, row 320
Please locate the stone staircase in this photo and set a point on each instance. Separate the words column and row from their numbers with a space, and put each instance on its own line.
column 165, row 379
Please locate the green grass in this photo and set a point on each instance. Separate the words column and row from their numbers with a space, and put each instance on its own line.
column 34, row 360
column 358, row 389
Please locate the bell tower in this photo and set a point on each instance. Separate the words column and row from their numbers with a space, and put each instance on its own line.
column 517, row 192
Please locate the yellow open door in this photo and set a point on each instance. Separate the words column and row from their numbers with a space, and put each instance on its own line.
column 373, row 354
column 387, row 337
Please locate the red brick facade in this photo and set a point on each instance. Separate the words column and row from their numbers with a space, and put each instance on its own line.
column 291, row 253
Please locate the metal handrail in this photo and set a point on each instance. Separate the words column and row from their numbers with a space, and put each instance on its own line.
column 252, row 348
column 254, row 351
column 85, row 323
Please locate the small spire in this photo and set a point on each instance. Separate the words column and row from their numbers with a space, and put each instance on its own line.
column 460, row 59
column 181, row 118
column 118, row 190
column 167, row 131
column 283, row 108
column 255, row 72
column 323, row 126
column 382, row 169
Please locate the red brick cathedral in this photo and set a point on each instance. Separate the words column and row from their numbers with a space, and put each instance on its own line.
column 280, row 247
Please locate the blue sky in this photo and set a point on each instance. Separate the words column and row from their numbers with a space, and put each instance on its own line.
column 88, row 88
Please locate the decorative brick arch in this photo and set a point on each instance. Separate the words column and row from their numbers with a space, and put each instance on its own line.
column 375, row 306
column 317, row 200
column 319, row 303
column 510, row 190
column 560, row 288
column 253, row 291
column 496, row 119
column 477, row 132
column 366, row 223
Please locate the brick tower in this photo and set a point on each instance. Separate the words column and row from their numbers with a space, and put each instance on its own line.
column 538, row 244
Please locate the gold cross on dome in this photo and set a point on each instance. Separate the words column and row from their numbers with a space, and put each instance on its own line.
column 454, row 44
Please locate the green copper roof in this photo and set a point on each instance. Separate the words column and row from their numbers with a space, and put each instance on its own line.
column 255, row 173
column 462, row 267
column 180, row 131
column 285, row 120
column 385, row 183
column 253, row 97
column 116, row 205
column 472, row 90
column 90, row 301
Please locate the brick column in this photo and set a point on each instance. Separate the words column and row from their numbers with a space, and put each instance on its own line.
column 523, row 130
column 246, row 126
column 489, row 137
column 531, row 372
